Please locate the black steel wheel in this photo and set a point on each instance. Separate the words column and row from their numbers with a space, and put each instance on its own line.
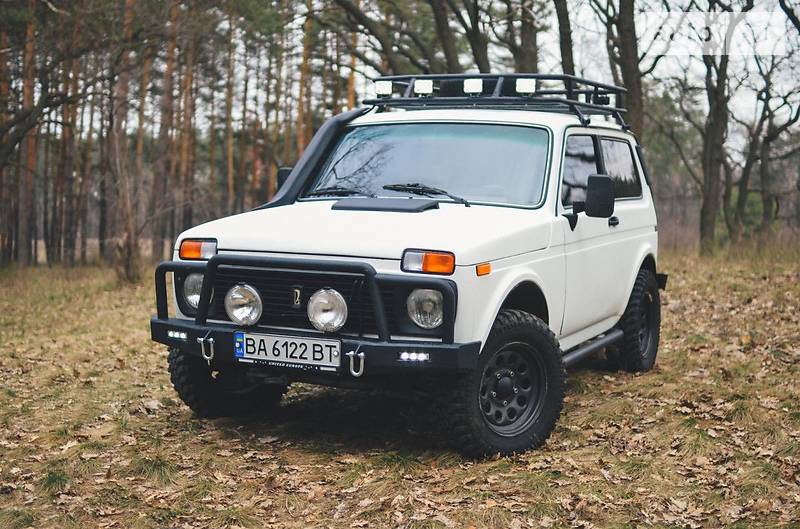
column 641, row 324
column 513, row 387
column 512, row 401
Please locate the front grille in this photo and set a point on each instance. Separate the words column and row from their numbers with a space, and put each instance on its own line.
column 276, row 288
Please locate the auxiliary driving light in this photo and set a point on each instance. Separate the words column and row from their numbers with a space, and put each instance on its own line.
column 473, row 86
column 413, row 356
column 243, row 304
column 177, row 335
column 425, row 307
column 526, row 86
column 327, row 310
column 192, row 286
column 383, row 88
column 423, row 86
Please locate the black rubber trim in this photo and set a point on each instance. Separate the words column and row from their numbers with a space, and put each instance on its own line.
column 379, row 356
column 661, row 279
column 402, row 205
column 305, row 167
column 371, row 277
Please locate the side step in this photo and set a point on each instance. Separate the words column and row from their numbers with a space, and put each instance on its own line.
column 573, row 356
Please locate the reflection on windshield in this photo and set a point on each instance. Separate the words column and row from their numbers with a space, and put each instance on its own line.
column 483, row 163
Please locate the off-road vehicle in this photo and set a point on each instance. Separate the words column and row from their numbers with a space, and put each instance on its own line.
column 480, row 233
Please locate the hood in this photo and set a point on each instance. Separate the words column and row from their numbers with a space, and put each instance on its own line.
column 474, row 234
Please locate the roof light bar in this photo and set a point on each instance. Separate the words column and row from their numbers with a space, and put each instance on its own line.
column 525, row 86
column 423, row 86
column 383, row 88
column 473, row 86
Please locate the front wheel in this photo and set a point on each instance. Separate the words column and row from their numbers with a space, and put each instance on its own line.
column 222, row 393
column 512, row 401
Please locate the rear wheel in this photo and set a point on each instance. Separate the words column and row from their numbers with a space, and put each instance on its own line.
column 641, row 324
column 512, row 401
column 222, row 393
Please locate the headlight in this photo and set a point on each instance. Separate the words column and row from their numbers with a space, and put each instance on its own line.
column 192, row 285
column 327, row 310
column 425, row 308
column 243, row 305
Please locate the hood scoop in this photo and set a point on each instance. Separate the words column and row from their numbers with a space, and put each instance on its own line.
column 402, row 205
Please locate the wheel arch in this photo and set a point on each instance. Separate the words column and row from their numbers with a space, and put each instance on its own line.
column 646, row 260
column 527, row 296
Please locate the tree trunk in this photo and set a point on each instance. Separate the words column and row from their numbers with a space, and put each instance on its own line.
column 241, row 169
column 161, row 174
column 5, row 198
column 212, row 154
column 70, row 219
column 106, row 106
column 305, row 75
column 629, row 67
column 24, row 233
column 276, row 126
column 128, row 265
column 767, row 196
column 186, row 176
column 446, row 36
column 527, row 56
column 715, row 129
column 351, row 78
column 229, row 120
column 86, row 182
column 565, row 37
column 140, row 122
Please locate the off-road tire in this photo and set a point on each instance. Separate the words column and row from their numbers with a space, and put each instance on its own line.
column 520, row 340
column 641, row 323
column 226, row 393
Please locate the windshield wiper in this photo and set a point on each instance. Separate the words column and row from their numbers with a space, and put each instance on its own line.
column 424, row 190
column 338, row 191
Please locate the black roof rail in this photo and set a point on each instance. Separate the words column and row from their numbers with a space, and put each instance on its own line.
column 550, row 93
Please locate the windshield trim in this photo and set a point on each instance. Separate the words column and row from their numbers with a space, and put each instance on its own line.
column 545, row 181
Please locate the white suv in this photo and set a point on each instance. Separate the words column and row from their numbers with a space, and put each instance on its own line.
column 489, row 229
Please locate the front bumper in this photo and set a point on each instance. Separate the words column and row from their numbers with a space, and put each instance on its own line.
column 379, row 355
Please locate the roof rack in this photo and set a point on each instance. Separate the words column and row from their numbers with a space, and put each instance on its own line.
column 527, row 91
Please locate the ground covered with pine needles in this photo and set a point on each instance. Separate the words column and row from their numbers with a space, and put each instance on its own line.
column 92, row 434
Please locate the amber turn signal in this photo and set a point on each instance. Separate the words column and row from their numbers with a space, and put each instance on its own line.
column 429, row 262
column 195, row 250
column 483, row 269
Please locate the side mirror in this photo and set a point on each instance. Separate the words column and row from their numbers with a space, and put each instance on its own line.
column 282, row 176
column 599, row 196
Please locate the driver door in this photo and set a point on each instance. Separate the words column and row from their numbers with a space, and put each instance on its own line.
column 590, row 256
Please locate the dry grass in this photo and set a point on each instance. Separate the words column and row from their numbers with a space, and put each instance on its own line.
column 711, row 437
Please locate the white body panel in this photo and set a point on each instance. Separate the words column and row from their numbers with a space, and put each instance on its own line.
column 586, row 276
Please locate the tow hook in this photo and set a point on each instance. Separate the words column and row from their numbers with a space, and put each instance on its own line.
column 208, row 355
column 353, row 354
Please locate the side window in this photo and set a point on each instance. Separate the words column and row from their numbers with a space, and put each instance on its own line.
column 618, row 160
column 580, row 161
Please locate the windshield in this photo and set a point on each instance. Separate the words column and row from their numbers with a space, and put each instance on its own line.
column 502, row 164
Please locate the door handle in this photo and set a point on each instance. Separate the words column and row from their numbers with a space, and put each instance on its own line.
column 613, row 221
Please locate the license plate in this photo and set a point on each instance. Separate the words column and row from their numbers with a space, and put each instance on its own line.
column 287, row 351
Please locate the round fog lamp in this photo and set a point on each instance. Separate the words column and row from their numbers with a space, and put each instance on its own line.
column 425, row 308
column 243, row 304
column 327, row 310
column 192, row 285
